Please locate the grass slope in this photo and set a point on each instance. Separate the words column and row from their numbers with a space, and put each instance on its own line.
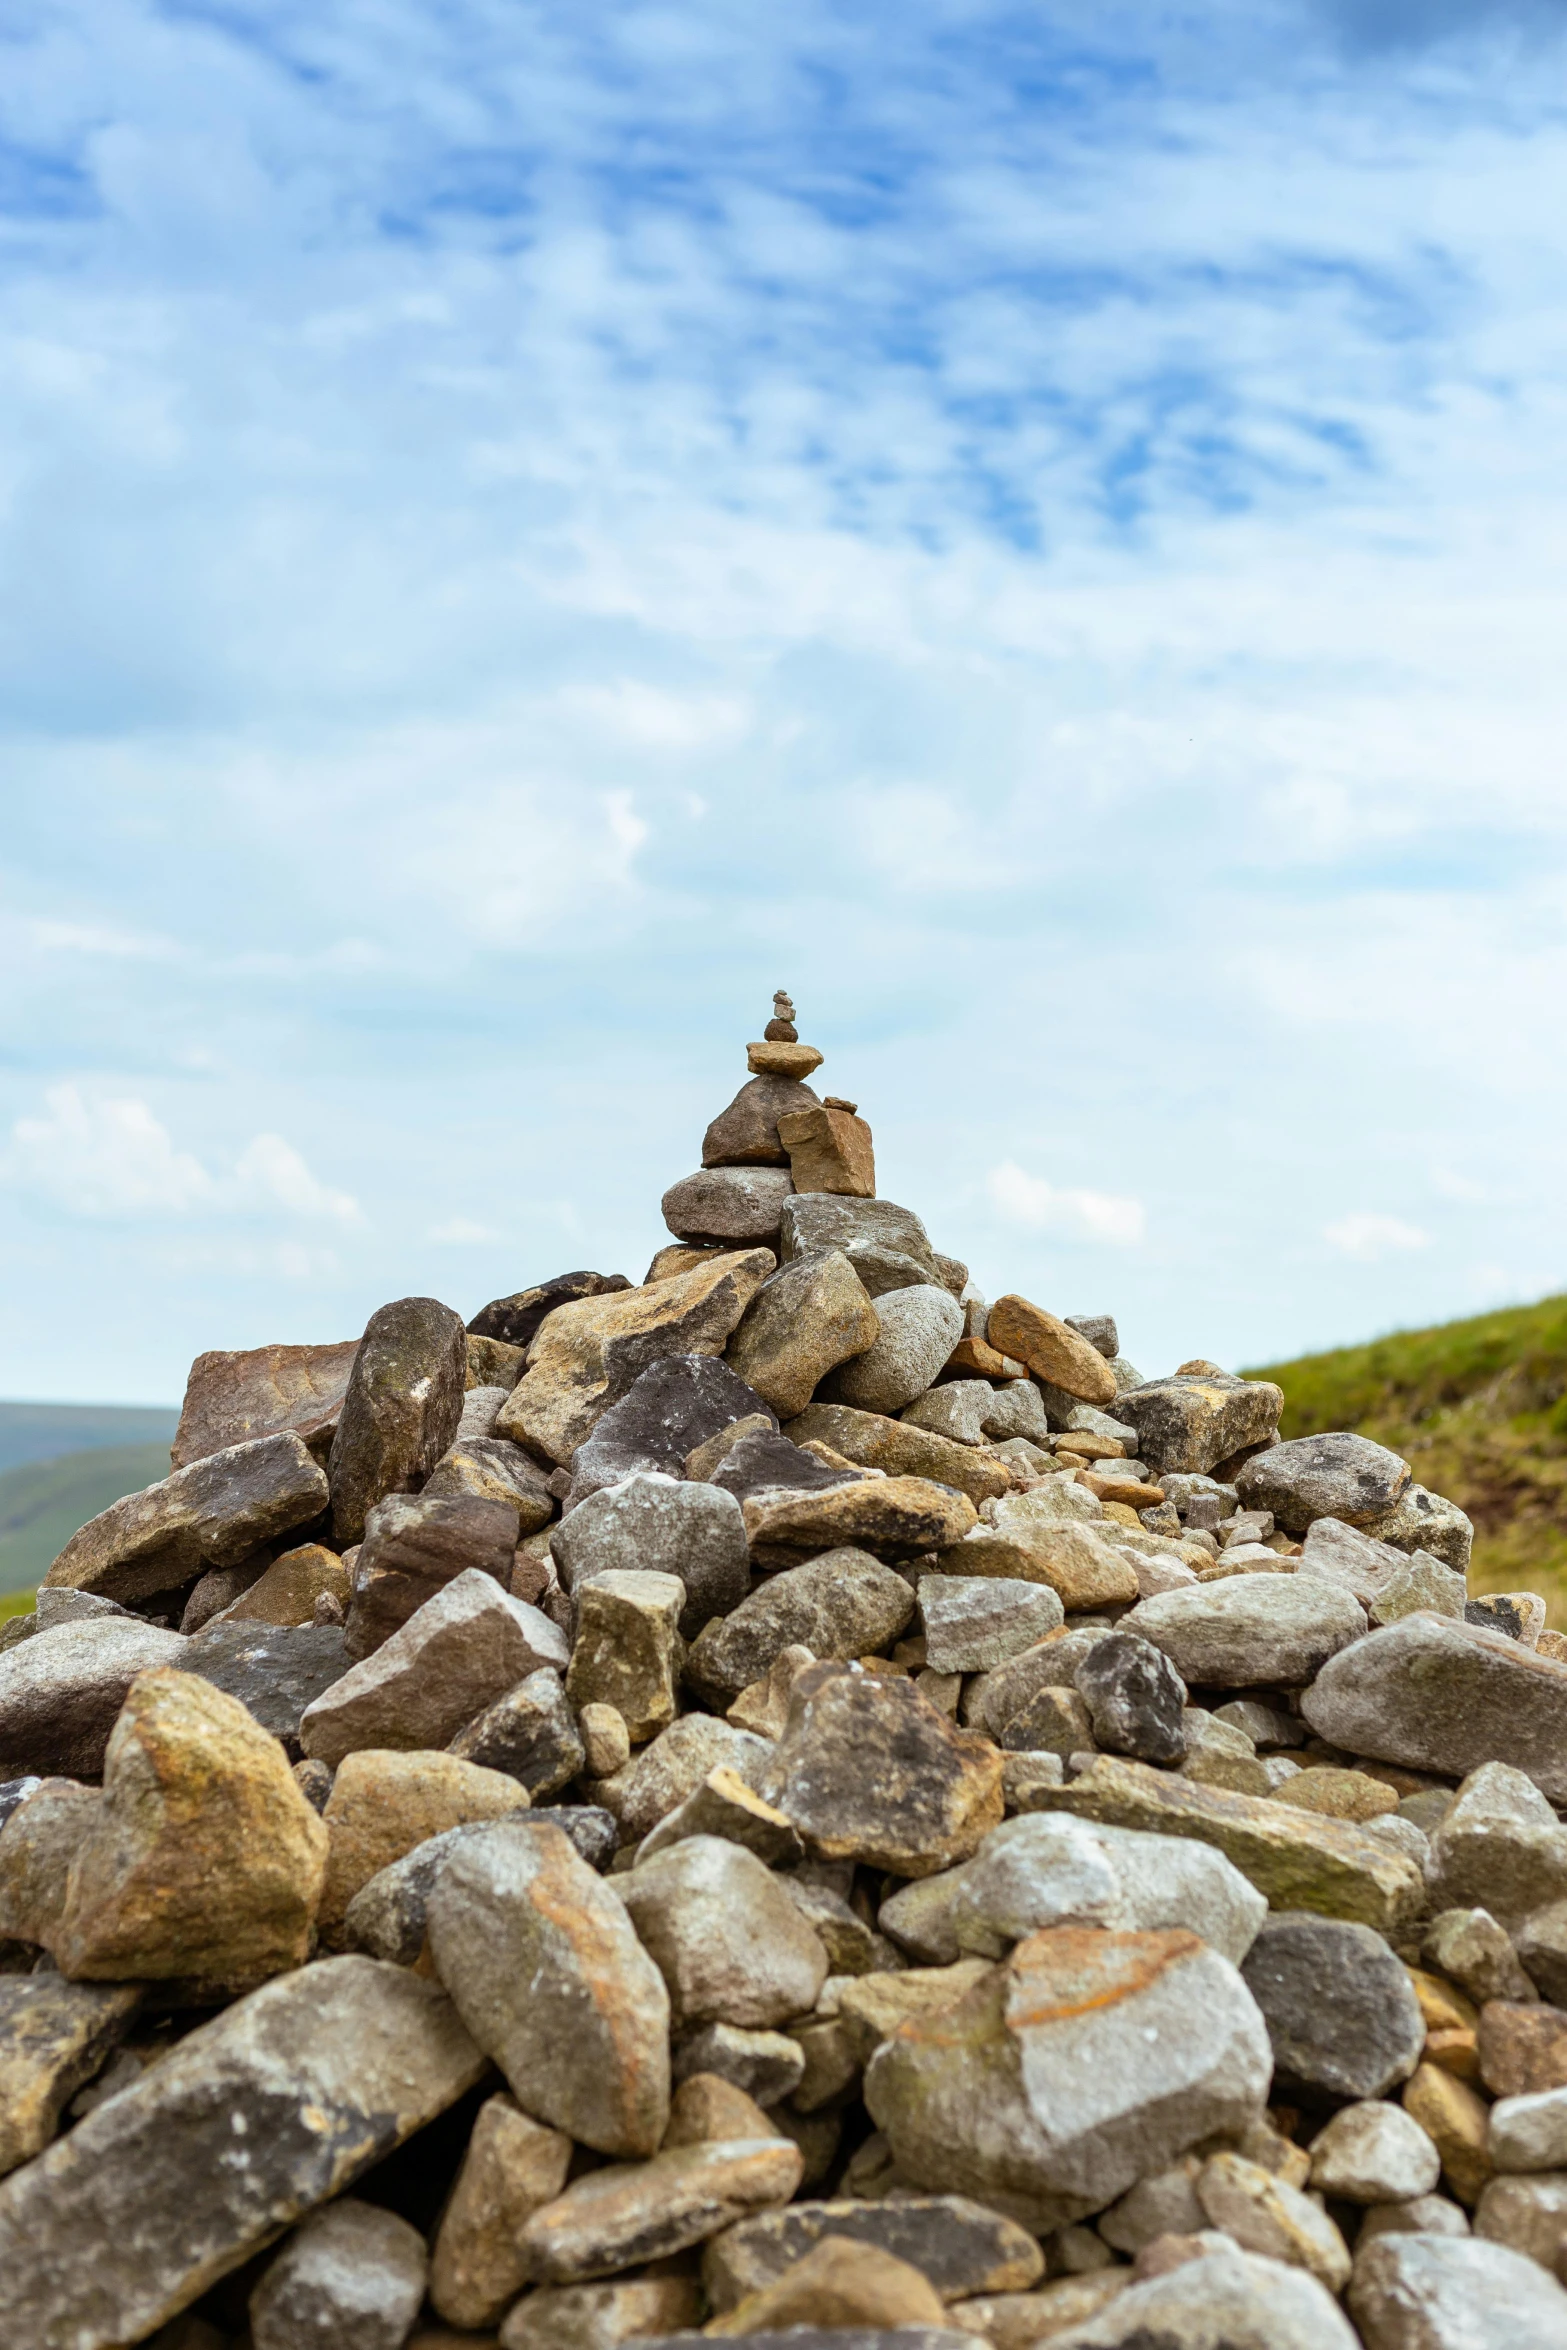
column 1479, row 1410
column 42, row 1431
column 43, row 1502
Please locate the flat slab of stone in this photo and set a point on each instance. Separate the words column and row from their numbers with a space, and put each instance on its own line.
column 963, row 2248
column 1251, row 1632
column 1434, row 1695
column 231, row 1398
column 676, row 1404
column 891, row 1517
column 209, row 1515
column 874, row 1441
column 817, row 1220
column 631, row 2212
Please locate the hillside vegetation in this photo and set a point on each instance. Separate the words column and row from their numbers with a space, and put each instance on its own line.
column 1479, row 1410
column 43, row 1502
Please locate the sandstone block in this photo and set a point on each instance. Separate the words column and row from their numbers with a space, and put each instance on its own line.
column 1051, row 1349
column 384, row 1804
column 232, row 1398
column 805, row 1320
column 512, row 2168
column 1192, row 1423
column 210, row 1514
column 874, row 1441
column 632, row 2212
column 628, row 1650
column 829, row 1150
column 891, row 1517
column 413, row 1548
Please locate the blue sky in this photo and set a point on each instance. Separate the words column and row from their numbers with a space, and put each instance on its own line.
column 524, row 528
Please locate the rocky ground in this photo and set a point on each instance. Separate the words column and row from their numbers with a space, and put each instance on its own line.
column 781, row 1797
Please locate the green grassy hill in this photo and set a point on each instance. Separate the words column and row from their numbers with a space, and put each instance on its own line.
column 1479, row 1410
column 42, row 1431
column 43, row 1502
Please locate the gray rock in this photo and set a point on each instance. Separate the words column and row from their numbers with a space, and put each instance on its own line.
column 1426, row 2292
column 1252, row 1631
column 653, row 1523
column 1443, row 1697
column 1528, row 2214
column 1341, row 2011
column 401, row 1410
column 1334, row 1475
column 1529, row 2133
column 61, row 1691
column 996, row 1698
column 1099, row 1330
column 764, row 1462
column 844, row 1604
column 1164, row 2204
column 1265, row 1725
column 677, row 1403
column 1499, row 1848
column 54, row 1608
column 1225, row 2299
column 414, row 1546
column 208, row 1515
column 1135, row 1697
column 740, row 1206
column 1016, row 1409
column 957, row 1409
column 817, row 1220
column 1190, row 1423
column 919, row 1329
column 388, row 1916
column 974, row 1623
column 54, row 2035
column 530, row 1733
column 1542, row 1948
column 1374, row 2153
column 674, row 1765
column 1419, row 1520
column 547, row 1973
column 350, row 2278
column 766, row 2065
column 746, row 1134
column 627, row 2213
column 599, row 2317
column 515, row 1319
column 962, row 2248
column 1350, row 1556
column 312, row 2079
column 1422, row 1583
column 1422, row 2215
column 457, row 1655
column 277, row 1671
column 1469, row 1947
column 731, row 1945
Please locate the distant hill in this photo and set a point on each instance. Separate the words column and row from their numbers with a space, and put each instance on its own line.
column 60, row 1464
column 43, row 1431
column 1479, row 1410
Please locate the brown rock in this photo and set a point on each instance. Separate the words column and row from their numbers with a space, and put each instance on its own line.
column 491, row 1469
column 628, row 1651
column 829, row 1150
column 586, row 1356
column 632, row 2212
column 37, row 1845
column 728, row 1941
column 383, row 1804
column 874, row 1441
column 513, row 2167
column 706, row 2106
column 413, row 1547
column 1050, row 1349
column 288, row 1590
column 891, row 1517
column 838, row 2283
column 1455, row 2120
column 677, row 1257
column 868, row 1770
column 606, row 1742
column 598, row 2317
column 779, row 1058
column 958, row 2246
column 746, row 1134
column 234, row 1398
column 806, row 1319
column 203, row 1860
column 1031, row 1544
column 1337, row 1794
column 54, row 2035
column 492, row 1363
column 211, row 1514
column 401, row 1411
column 976, row 1358
column 1522, row 2049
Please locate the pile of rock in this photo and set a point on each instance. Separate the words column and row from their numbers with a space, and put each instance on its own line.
column 782, row 1797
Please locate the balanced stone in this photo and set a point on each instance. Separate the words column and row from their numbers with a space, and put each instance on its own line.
column 739, row 1207
column 746, row 1134
column 829, row 1150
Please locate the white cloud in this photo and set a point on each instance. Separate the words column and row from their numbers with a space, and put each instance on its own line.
column 1038, row 1206
column 1367, row 1238
column 112, row 1157
column 271, row 1173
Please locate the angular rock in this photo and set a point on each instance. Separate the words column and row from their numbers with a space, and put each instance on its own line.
column 1336, row 1475
column 891, row 1517
column 765, row 2066
column 917, row 1328
column 1253, row 1632
column 286, row 1593
column 1051, row 1349
column 54, row 2035
column 547, row 1973
column 413, row 1548
column 762, row 1462
column 1469, row 1947
column 599, row 2317
column 974, row 1623
column 730, row 1944
column 1437, row 1696
column 955, row 1410
column 829, row 1150
column 512, row 2168
column 1085, row 2061
column 992, row 1700
column 1348, row 1555
column 874, row 1441
column 1190, row 1424
column 1054, row 1721
column 746, row 1134
column 1266, row 2215
column 384, row 1805
column 493, row 1364
column 515, row 1319
column 725, row 1807
column 401, row 1410
column 1136, row 1698
column 675, row 1405
column 1027, row 1540
column 709, row 2105
column 806, row 1319
column 1296, row 1859
column 737, row 1207
column 867, row 1770
column 631, row 2212
column 491, row 1468
column 628, row 1651
column 674, row 1765
column 37, row 1847
column 277, row 1671
column 841, row 1605
column 1455, row 2120
column 1342, row 1795
column 1528, row 2215
column 1422, row 1583
column 1214, row 2296
column 654, row 1524
column 1529, row 2133
column 531, row 1734
column 454, row 1657
column 1341, row 2012
column 588, row 1356
column 61, row 1691
column 1374, row 2153
column 1542, row 1948
column 209, row 1515
column 1444, row 2293
column 1419, row 1520
column 351, row 2278
column 814, row 1221
column 315, row 2077
column 706, row 1460
column 958, row 2245
column 234, row 1398
column 1499, row 1848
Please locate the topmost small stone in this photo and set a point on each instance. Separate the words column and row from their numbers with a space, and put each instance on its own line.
column 780, row 1028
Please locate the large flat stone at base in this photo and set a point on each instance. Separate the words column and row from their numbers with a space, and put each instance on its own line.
column 254, row 2119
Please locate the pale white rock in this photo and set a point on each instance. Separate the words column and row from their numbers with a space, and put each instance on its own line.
column 1529, row 2133
column 1500, row 1848
column 351, row 2278
column 1374, row 2152
column 1225, row 2299
column 1157, row 1571
column 1429, row 2292
column 957, row 1409
column 731, row 1945
column 1529, row 2214
column 1422, row 2215
column 973, row 1623
column 1016, row 1412
column 1254, row 1631
column 1351, row 1557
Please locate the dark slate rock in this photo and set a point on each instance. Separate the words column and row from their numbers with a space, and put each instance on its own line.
column 1099, row 1330
column 401, row 1410
column 1136, row 1698
column 275, row 1670
column 531, row 1734
column 963, row 2248
column 768, row 1459
column 817, row 1220
column 676, row 1404
column 1340, row 2009
column 515, row 1319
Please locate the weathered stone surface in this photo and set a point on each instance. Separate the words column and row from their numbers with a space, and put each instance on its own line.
column 128, row 2219
column 1434, row 2215
column 675, row 1405
column 1254, row 1631
column 766, row 2066
column 876, row 1442
column 1348, row 1555
column 1528, row 2215
column 725, row 1807
column 868, row 1770
column 1523, row 2049
column 42, row 1831
column 655, row 1524
column 1027, row 1539
column 1214, row 2296
column 548, row 1975
column 454, row 1657
column 710, row 2105
column 1419, row 1520
column 1424, row 1583
column 631, row 2212
column 234, row 1398
column 530, row 1733
column 1341, row 2012
column 738, row 1207
column 588, row 1356
column 1266, row 2215
column 806, row 1319
column 839, row 2282
column 958, row 2245
column 628, row 1651
column 917, row 1328
column 892, row 1517
column 1341, row 1795
column 1499, row 1848
column 1428, row 2292
column 829, row 1150
column 54, row 2035
column 730, row 1944
column 705, row 1460
column 760, row 1461
column 1374, row 2153
column 350, row 2278
column 974, row 1623
column 1438, row 1696
column 599, row 2317
column 1083, row 2062
column 203, row 1859
column 746, row 1134
column 1542, row 1949
column 512, row 2168
column 1054, row 1721
column 1190, row 1424
column 277, row 1671
column 286, row 1593
column 493, row 1364
column 1051, row 1349
column 992, row 1700
column 1135, row 1696
column 210, row 1514
column 1297, row 1859
column 61, row 1690
column 956, row 1409
column 385, row 1804
column 1529, row 2133
column 401, row 1410
column 515, row 1319
column 413, row 1548
column 491, row 1468
column 1334, row 1475
column 814, row 1221
column 675, row 1763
